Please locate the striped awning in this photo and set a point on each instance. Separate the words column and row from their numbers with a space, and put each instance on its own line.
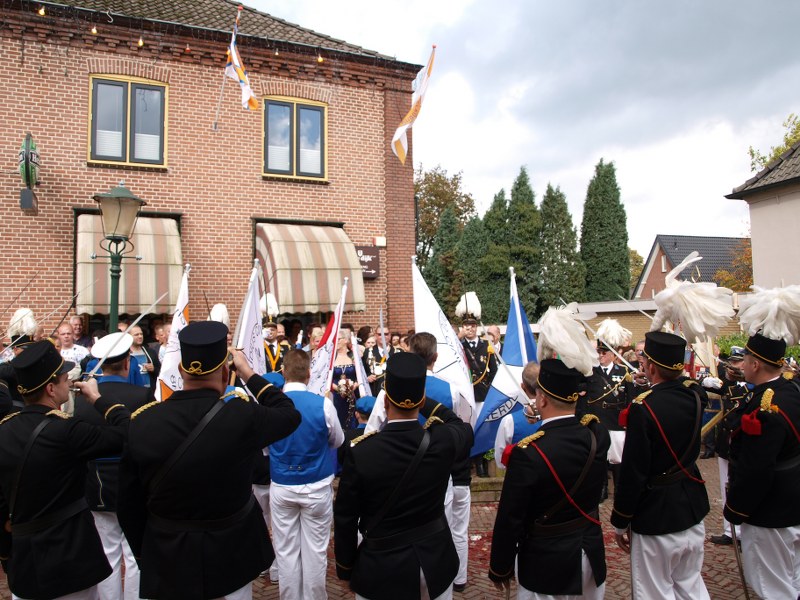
column 305, row 266
column 156, row 240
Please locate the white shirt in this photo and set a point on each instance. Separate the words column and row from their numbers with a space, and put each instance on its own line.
column 75, row 353
column 335, row 439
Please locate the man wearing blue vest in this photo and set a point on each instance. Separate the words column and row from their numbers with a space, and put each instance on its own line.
column 301, row 495
column 520, row 423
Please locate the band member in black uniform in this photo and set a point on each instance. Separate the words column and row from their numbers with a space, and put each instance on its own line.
column 482, row 365
column 392, row 490
column 274, row 348
column 609, row 390
column 10, row 398
column 374, row 360
column 185, row 499
column 764, row 489
column 547, row 518
column 53, row 545
column 661, row 496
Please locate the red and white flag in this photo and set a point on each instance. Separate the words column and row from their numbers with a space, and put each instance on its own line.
column 322, row 361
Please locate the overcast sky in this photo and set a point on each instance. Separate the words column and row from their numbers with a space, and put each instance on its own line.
column 672, row 92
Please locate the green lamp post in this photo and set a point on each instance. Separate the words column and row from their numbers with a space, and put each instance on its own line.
column 119, row 209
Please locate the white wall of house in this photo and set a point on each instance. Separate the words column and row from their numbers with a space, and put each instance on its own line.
column 775, row 236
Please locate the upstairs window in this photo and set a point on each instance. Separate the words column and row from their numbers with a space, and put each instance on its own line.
column 294, row 138
column 128, row 122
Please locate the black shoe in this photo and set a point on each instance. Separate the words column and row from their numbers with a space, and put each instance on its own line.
column 459, row 587
column 722, row 540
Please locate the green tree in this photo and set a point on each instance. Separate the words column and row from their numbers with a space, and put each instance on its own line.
column 740, row 276
column 495, row 221
column 440, row 273
column 790, row 137
column 493, row 288
column 435, row 191
column 563, row 275
column 524, row 225
column 637, row 265
column 471, row 253
column 604, row 237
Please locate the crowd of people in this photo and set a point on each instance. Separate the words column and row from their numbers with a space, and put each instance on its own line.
column 110, row 494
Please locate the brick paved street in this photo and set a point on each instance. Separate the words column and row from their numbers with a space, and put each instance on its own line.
column 719, row 568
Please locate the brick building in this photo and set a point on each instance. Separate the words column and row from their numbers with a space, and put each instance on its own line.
column 116, row 90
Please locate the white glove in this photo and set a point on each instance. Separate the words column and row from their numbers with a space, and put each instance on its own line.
column 712, row 383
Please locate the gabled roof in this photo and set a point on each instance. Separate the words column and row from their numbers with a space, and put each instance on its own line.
column 717, row 253
column 217, row 15
column 784, row 169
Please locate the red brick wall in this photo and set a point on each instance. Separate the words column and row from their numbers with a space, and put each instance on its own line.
column 213, row 178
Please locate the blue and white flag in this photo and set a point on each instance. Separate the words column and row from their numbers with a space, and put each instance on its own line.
column 505, row 395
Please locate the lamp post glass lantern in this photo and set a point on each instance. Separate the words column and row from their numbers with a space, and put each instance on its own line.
column 119, row 210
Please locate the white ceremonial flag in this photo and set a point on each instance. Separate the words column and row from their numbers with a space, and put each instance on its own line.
column 322, row 361
column 400, row 139
column 248, row 327
column 361, row 372
column 169, row 379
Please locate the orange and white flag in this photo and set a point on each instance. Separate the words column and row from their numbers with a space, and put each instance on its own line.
column 236, row 71
column 169, row 379
column 400, row 140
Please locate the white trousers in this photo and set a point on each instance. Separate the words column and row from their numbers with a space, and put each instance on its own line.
column 261, row 494
column 617, row 444
column 423, row 591
column 590, row 589
column 458, row 520
column 87, row 594
column 301, row 530
column 771, row 560
column 668, row 566
column 117, row 551
column 243, row 593
column 723, row 482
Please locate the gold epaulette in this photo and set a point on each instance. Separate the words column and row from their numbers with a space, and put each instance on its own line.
column 642, row 396
column 627, row 377
column 7, row 417
column 489, row 349
column 60, row 414
column 766, row 401
column 788, row 375
column 689, row 383
column 361, row 438
column 586, row 419
column 531, row 438
column 141, row 409
column 236, row 393
column 431, row 420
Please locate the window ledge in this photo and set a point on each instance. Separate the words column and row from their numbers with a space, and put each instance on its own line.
column 291, row 179
column 127, row 166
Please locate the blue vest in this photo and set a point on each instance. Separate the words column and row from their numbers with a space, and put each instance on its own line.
column 303, row 457
column 522, row 428
column 438, row 390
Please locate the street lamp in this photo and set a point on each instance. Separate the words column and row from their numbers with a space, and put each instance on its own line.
column 119, row 209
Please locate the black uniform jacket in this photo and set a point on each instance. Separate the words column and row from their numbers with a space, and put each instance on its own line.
column 765, row 461
column 10, row 399
column 371, row 358
column 483, row 366
column 733, row 397
column 652, row 505
column 68, row 556
column 187, row 537
column 607, row 395
column 551, row 564
column 102, row 479
column 372, row 470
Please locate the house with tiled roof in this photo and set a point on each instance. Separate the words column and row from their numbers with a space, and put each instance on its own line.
column 668, row 251
column 132, row 90
column 773, row 198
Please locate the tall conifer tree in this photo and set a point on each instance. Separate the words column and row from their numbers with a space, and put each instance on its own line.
column 440, row 274
column 524, row 227
column 563, row 274
column 493, row 292
column 604, row 237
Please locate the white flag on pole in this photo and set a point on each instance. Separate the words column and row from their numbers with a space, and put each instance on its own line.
column 361, row 372
column 250, row 340
column 169, row 379
column 322, row 361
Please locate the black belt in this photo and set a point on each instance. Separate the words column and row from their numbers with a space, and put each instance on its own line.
column 404, row 538
column 538, row 530
column 670, row 478
column 51, row 519
column 175, row 525
column 787, row 465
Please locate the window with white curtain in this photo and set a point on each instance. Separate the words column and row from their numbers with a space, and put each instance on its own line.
column 294, row 138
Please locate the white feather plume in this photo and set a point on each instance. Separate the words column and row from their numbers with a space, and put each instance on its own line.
column 562, row 334
column 469, row 305
column 219, row 312
column 774, row 312
column 613, row 334
column 22, row 323
column 269, row 306
column 700, row 308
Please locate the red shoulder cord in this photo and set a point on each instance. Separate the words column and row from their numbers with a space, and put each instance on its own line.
column 666, row 441
column 561, row 485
